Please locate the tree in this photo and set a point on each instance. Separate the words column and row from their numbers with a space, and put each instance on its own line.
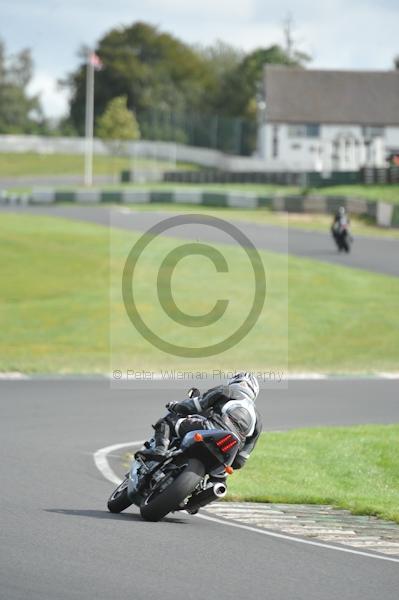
column 291, row 51
column 241, row 87
column 153, row 69
column 118, row 124
column 396, row 62
column 221, row 58
column 205, row 95
column 19, row 111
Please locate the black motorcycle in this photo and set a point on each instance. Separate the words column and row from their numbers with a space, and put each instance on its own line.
column 191, row 475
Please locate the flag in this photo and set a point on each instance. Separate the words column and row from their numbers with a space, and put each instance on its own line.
column 95, row 61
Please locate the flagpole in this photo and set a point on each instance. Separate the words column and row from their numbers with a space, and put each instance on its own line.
column 88, row 175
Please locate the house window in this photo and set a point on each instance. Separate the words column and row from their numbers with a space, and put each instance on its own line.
column 373, row 132
column 313, row 130
column 308, row 130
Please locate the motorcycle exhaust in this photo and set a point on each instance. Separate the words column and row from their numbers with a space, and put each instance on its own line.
column 220, row 490
column 215, row 492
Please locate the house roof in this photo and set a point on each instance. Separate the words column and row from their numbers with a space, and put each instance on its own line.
column 337, row 97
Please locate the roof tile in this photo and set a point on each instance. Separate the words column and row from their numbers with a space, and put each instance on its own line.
column 296, row 95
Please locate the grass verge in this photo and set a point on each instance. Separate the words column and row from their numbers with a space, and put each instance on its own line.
column 54, row 306
column 356, row 468
column 383, row 192
column 32, row 163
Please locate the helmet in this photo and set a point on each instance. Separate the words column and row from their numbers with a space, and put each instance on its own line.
column 342, row 211
column 244, row 386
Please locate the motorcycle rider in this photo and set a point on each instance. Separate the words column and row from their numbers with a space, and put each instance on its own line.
column 341, row 220
column 230, row 407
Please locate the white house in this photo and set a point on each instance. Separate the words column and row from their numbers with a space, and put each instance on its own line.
column 326, row 121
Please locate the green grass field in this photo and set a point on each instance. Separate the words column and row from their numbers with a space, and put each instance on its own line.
column 32, row 163
column 54, row 306
column 356, row 468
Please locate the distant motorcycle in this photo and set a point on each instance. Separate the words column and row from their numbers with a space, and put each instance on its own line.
column 342, row 236
column 191, row 475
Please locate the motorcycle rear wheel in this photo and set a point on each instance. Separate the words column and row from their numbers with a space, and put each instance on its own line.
column 158, row 504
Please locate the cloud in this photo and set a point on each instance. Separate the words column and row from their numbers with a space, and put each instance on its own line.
column 53, row 100
column 361, row 38
column 204, row 10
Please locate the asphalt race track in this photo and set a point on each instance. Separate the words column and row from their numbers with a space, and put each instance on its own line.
column 373, row 254
column 59, row 542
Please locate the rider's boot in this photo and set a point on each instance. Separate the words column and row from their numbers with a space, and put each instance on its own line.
column 161, row 438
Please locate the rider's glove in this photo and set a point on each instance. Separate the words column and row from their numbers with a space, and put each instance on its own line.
column 173, row 407
column 178, row 408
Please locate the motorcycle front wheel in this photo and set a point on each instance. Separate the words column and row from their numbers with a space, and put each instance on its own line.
column 119, row 500
column 163, row 500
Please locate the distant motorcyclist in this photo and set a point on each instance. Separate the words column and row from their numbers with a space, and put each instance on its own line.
column 340, row 229
column 230, row 407
column 341, row 217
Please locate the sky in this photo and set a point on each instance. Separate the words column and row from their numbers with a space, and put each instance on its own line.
column 340, row 34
